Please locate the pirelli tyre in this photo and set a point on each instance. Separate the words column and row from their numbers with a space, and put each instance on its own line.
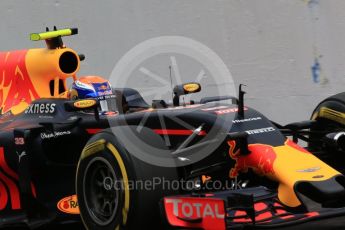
column 330, row 117
column 106, row 198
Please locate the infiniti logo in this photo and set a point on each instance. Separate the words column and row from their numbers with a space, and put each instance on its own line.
column 313, row 169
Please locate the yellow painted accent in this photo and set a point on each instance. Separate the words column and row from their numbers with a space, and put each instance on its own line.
column 50, row 34
column 83, row 104
column 287, row 171
column 191, row 87
column 332, row 115
column 93, row 148
column 125, row 180
column 19, row 108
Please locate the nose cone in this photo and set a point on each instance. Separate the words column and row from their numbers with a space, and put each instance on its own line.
column 300, row 172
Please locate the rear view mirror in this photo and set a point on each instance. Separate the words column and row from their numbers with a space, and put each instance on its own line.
column 183, row 89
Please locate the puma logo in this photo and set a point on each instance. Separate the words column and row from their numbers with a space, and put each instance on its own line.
column 22, row 154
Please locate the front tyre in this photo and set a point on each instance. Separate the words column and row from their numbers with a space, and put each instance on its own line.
column 329, row 117
column 108, row 195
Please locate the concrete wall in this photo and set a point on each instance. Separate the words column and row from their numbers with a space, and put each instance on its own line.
column 266, row 44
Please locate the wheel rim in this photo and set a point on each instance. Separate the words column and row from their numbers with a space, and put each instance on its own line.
column 100, row 193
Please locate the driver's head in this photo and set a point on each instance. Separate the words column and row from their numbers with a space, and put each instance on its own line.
column 90, row 87
column 94, row 87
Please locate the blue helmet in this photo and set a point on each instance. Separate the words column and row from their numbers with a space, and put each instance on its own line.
column 94, row 87
column 90, row 87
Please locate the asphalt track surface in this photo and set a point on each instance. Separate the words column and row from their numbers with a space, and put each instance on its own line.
column 336, row 223
column 56, row 227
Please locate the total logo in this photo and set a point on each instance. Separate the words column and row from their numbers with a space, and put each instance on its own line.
column 41, row 108
column 196, row 213
column 69, row 205
column 183, row 208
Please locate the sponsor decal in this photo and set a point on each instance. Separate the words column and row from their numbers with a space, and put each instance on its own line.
column 262, row 130
column 207, row 213
column 41, row 108
column 69, row 205
column 190, row 209
column 107, row 92
column 105, row 97
column 55, row 134
column 192, row 87
column 20, row 155
column 103, row 87
column 260, row 159
column 309, row 170
column 230, row 110
column 246, row 120
column 82, row 104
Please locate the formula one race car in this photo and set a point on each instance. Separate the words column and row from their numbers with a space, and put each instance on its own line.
column 106, row 154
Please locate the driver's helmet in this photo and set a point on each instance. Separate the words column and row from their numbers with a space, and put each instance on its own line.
column 94, row 87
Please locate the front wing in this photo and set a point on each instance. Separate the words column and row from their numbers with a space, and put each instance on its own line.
column 252, row 208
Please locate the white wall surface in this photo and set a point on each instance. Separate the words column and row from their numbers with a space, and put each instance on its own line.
column 266, row 44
